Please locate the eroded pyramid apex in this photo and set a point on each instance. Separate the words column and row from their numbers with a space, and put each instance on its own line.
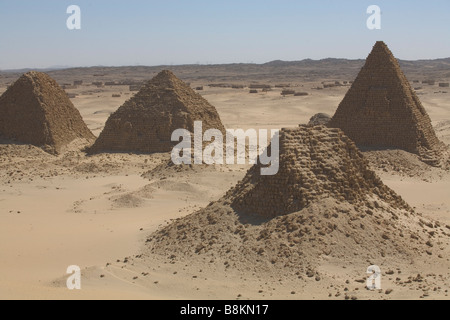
column 145, row 123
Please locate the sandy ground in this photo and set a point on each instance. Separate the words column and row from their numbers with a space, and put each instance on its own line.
column 94, row 211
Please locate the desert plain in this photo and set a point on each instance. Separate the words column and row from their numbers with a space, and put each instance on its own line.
column 98, row 211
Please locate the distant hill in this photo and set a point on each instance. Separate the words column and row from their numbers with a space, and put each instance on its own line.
column 25, row 70
column 270, row 72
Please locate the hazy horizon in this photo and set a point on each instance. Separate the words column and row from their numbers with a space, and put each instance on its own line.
column 193, row 64
column 158, row 33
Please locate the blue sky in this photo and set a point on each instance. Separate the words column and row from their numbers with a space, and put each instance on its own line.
column 155, row 32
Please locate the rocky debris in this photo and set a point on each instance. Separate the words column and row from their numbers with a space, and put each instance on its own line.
column 287, row 92
column 319, row 119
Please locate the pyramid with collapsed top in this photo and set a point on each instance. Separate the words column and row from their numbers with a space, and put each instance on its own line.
column 145, row 123
column 382, row 110
column 37, row 111
column 314, row 163
column 324, row 201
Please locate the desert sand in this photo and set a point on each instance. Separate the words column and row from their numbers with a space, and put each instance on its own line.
column 98, row 211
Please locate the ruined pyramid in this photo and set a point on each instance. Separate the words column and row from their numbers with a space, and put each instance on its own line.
column 382, row 110
column 145, row 123
column 36, row 110
column 324, row 202
column 315, row 163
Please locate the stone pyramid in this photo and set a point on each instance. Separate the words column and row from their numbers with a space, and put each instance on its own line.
column 382, row 110
column 36, row 110
column 324, row 203
column 315, row 163
column 145, row 123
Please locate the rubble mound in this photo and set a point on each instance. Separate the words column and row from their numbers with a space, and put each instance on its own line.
column 319, row 120
column 323, row 204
